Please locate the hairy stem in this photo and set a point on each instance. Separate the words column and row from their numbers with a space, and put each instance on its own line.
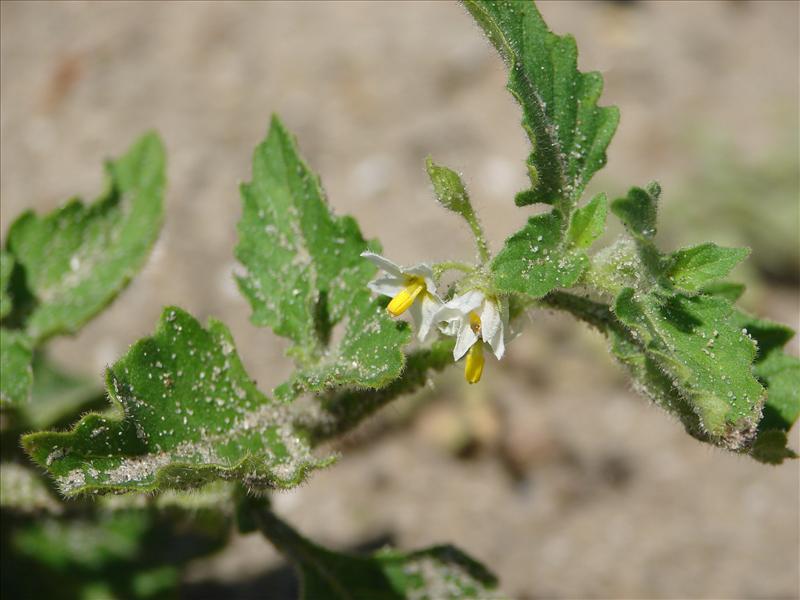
column 451, row 265
column 341, row 411
column 480, row 237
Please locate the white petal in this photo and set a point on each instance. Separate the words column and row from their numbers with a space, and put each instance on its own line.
column 504, row 312
column 466, row 337
column 383, row 263
column 490, row 319
column 466, row 303
column 429, row 307
column 492, row 327
column 387, row 286
column 450, row 327
column 498, row 343
column 424, row 271
column 449, row 314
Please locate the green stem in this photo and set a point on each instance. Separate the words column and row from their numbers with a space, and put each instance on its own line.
column 480, row 237
column 597, row 314
column 451, row 265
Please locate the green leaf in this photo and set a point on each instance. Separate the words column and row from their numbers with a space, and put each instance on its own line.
column 189, row 414
column 369, row 355
column 692, row 268
column 78, row 258
column 692, row 341
column 638, row 211
column 567, row 129
column 780, row 374
column 589, row 222
column 436, row 573
column 341, row 410
column 726, row 289
column 534, row 261
column 6, row 266
column 305, row 275
column 15, row 367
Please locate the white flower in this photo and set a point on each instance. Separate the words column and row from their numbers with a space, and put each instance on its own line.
column 475, row 319
column 405, row 286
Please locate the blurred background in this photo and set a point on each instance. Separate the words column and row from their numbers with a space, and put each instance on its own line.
column 551, row 471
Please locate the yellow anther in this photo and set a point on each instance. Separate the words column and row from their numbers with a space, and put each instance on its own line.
column 474, row 367
column 403, row 301
column 474, row 322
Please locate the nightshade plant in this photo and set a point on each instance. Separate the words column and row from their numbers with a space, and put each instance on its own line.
column 186, row 424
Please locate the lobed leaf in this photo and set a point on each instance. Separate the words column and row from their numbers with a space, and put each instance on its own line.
column 436, row 573
column 568, row 130
column 638, row 211
column 305, row 275
column 534, row 261
column 189, row 414
column 78, row 258
column 693, row 343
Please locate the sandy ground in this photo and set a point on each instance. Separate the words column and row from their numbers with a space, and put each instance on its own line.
column 566, row 483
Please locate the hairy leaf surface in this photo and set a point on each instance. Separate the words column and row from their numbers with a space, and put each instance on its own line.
column 568, row 130
column 305, row 274
column 535, row 261
column 692, row 268
column 189, row 414
column 588, row 222
column 708, row 360
column 78, row 258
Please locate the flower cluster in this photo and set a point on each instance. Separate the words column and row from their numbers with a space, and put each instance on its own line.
column 474, row 318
